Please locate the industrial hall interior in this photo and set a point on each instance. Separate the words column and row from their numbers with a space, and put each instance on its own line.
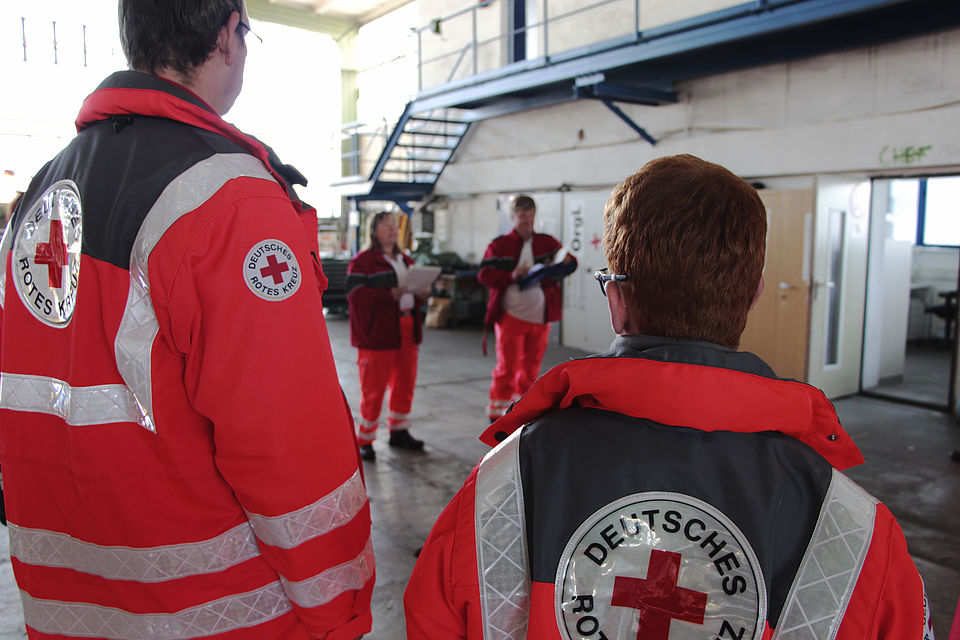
column 426, row 125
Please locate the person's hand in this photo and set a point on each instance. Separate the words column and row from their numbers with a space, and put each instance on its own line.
column 395, row 293
column 520, row 271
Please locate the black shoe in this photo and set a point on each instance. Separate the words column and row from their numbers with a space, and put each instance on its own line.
column 402, row 439
column 367, row 452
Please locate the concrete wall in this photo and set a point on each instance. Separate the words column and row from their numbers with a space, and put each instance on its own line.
column 441, row 51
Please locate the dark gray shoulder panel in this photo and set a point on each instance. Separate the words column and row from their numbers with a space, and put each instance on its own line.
column 121, row 165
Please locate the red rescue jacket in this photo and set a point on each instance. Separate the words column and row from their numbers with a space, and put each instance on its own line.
column 374, row 314
column 499, row 261
column 766, row 534
column 178, row 457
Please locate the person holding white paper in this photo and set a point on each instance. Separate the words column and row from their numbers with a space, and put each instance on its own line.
column 525, row 297
column 386, row 326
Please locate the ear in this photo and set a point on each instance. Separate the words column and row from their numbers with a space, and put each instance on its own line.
column 619, row 309
column 229, row 40
column 756, row 297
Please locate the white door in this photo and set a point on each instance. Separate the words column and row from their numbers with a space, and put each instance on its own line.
column 841, row 228
column 586, row 321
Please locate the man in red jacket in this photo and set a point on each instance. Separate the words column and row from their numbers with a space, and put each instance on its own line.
column 178, row 458
column 673, row 487
column 522, row 303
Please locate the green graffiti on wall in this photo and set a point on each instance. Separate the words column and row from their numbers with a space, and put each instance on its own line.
column 903, row 155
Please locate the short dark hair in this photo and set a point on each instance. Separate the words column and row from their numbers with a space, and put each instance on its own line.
column 692, row 237
column 523, row 202
column 172, row 34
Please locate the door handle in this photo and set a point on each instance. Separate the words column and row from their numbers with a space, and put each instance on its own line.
column 787, row 285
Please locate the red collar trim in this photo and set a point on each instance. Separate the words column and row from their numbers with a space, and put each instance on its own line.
column 685, row 395
column 113, row 101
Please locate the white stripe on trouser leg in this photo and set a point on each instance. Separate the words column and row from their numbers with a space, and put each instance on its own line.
column 367, row 427
column 497, row 408
column 399, row 421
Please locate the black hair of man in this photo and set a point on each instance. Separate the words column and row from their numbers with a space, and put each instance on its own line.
column 172, row 34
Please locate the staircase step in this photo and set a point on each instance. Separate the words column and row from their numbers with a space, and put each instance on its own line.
column 438, row 120
column 434, row 147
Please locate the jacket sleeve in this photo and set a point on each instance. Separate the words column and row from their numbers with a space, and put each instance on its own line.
column 366, row 289
column 496, row 272
column 888, row 602
column 442, row 599
column 569, row 264
column 262, row 372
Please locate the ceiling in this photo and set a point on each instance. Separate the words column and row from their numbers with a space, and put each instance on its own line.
column 354, row 11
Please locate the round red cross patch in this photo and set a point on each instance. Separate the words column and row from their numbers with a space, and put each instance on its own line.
column 46, row 254
column 271, row 270
column 659, row 566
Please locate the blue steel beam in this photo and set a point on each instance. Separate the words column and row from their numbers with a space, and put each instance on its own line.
column 623, row 93
column 633, row 125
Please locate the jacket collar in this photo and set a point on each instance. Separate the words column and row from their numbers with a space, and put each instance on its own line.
column 519, row 238
column 687, row 384
column 689, row 352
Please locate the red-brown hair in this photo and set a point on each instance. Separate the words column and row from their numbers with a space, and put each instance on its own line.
column 692, row 238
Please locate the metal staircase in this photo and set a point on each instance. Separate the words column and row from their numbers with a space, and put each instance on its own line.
column 416, row 153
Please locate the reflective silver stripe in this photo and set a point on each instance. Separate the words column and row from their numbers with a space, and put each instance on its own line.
column 84, row 620
column 151, row 564
column 78, row 406
column 502, row 543
column 367, row 426
column 400, row 420
column 139, row 326
column 324, row 587
column 830, row 567
column 6, row 243
column 326, row 514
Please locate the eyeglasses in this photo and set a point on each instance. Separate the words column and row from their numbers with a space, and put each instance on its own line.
column 249, row 30
column 603, row 278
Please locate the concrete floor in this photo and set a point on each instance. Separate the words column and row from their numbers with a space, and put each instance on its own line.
column 906, row 450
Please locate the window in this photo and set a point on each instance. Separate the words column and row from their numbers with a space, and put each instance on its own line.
column 939, row 212
column 925, row 211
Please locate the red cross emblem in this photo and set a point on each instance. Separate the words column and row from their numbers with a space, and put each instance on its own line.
column 274, row 269
column 53, row 254
column 658, row 597
column 596, row 241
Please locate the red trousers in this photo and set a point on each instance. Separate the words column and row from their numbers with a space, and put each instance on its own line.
column 382, row 368
column 520, row 348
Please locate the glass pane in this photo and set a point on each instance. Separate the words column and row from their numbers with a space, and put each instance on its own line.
column 835, row 246
column 942, row 222
column 902, row 212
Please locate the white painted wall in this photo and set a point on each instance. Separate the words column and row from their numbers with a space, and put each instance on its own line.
column 440, row 52
column 466, row 226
